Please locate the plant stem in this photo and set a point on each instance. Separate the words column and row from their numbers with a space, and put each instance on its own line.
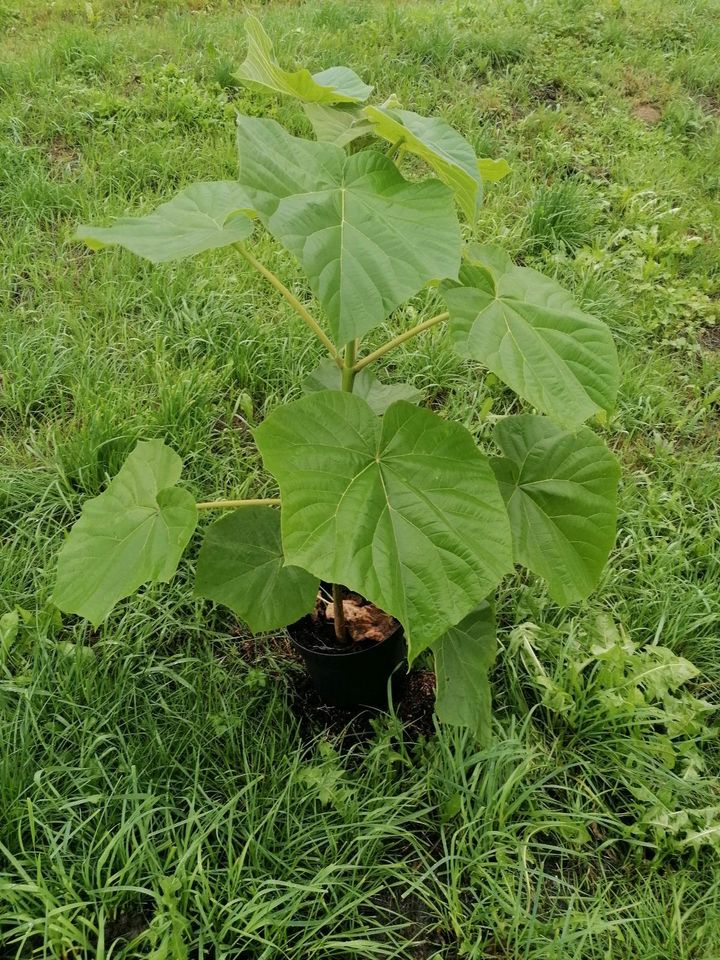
column 234, row 504
column 401, row 338
column 339, row 615
column 348, row 381
column 293, row 301
column 348, row 370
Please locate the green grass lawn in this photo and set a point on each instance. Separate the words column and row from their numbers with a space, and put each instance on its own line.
column 160, row 796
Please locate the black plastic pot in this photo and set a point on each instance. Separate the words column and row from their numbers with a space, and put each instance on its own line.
column 357, row 678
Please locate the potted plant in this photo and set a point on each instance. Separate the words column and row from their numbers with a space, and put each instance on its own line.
column 389, row 521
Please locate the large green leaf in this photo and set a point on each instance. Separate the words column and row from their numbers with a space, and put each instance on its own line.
column 463, row 657
column 133, row 533
column 379, row 396
column 241, row 565
column 273, row 164
column 366, row 238
column 561, row 491
column 261, row 71
column 533, row 336
column 439, row 145
column 403, row 509
column 202, row 217
column 337, row 124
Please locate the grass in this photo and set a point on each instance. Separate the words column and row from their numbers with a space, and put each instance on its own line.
column 158, row 795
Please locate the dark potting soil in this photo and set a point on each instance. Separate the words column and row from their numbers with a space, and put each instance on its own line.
column 366, row 625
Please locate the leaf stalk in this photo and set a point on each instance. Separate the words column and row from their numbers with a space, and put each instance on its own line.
column 292, row 300
column 401, row 338
column 393, row 149
column 235, row 504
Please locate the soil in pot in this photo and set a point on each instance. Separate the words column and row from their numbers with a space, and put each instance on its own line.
column 355, row 673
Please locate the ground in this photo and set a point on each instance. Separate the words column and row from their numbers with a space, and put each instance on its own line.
column 166, row 789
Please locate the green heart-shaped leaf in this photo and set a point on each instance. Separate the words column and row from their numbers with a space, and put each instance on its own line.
column 367, row 239
column 403, row 509
column 492, row 171
column 379, row 396
column 202, row 217
column 337, row 124
column 242, row 566
column 561, row 491
column 463, row 658
column 273, row 164
column 133, row 533
column 533, row 336
column 439, row 145
column 261, row 71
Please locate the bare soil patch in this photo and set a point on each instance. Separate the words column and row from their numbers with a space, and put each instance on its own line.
column 648, row 113
column 710, row 338
column 710, row 105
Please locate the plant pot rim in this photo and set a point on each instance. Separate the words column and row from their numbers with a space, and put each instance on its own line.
column 340, row 653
